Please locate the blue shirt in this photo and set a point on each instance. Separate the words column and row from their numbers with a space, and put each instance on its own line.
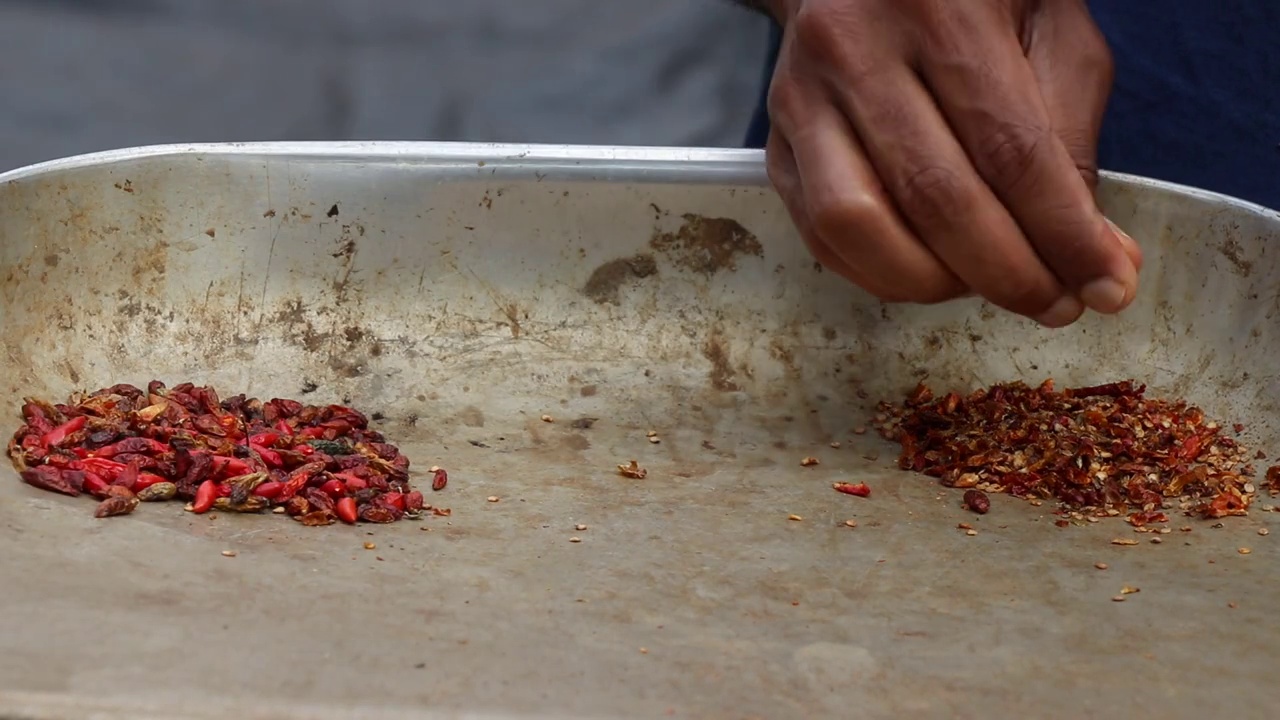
column 1196, row 98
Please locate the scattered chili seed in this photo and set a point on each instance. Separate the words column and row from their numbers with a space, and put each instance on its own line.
column 1118, row 598
column 808, row 461
column 579, row 527
column 229, row 553
column 1124, row 541
column 970, row 532
column 1126, row 590
column 548, row 419
column 575, row 539
column 1103, row 448
column 964, row 526
column 1263, row 531
column 493, row 498
column 851, row 523
column 633, row 471
column 1101, row 565
column 835, row 445
column 860, row 430
column 655, row 440
column 1156, row 541
column 1243, row 550
column 794, row 518
column 238, row 454
column 1232, row 605
column 370, row 546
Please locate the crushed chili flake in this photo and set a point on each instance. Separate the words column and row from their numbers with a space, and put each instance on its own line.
column 235, row 455
column 1105, row 450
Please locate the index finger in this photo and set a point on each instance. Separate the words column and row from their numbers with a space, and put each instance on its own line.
column 987, row 90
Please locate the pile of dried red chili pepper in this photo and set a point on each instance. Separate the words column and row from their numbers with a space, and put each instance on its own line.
column 1102, row 450
column 318, row 464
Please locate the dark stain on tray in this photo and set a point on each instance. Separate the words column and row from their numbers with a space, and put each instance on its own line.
column 608, row 279
column 721, row 374
column 1232, row 251
column 707, row 245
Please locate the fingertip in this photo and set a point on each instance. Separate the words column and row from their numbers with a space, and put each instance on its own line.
column 1127, row 242
column 1062, row 313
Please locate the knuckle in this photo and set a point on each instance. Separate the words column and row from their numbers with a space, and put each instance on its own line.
column 845, row 215
column 784, row 102
column 932, row 195
column 1022, row 293
column 814, row 28
column 1009, row 151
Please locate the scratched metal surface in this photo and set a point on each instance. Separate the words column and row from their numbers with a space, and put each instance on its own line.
column 463, row 291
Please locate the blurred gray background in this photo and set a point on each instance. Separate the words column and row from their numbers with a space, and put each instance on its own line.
column 85, row 75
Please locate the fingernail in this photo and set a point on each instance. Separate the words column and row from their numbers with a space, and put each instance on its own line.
column 1104, row 295
column 1116, row 229
column 1063, row 312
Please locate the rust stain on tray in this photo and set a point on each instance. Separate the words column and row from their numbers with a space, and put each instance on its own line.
column 707, row 245
column 608, row 279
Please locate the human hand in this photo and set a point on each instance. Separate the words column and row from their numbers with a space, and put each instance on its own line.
column 929, row 149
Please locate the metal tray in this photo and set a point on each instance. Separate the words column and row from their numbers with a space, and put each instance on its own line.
column 464, row 291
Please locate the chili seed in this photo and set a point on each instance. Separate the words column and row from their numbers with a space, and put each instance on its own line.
column 575, row 539
column 795, row 518
column 1263, row 531
column 370, row 546
column 548, row 419
column 851, row 523
column 970, row 532
column 1101, row 565
column 229, row 553
column 1126, row 590
column 808, row 461
column 655, row 440
column 1118, row 598
column 1243, row 550
column 579, row 527
column 1124, row 541
column 633, row 471
column 493, row 498
column 835, row 444
column 860, row 430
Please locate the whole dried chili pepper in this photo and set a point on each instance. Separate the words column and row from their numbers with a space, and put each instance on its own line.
column 158, row 492
column 56, row 436
column 47, row 477
column 346, row 510
column 858, row 490
column 977, row 501
column 206, row 495
column 116, row 505
column 269, row 490
column 334, row 488
column 413, row 501
column 140, row 445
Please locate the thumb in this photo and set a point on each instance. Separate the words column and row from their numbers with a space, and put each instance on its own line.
column 1073, row 67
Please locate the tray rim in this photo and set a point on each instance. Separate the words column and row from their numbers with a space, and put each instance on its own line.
column 600, row 163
